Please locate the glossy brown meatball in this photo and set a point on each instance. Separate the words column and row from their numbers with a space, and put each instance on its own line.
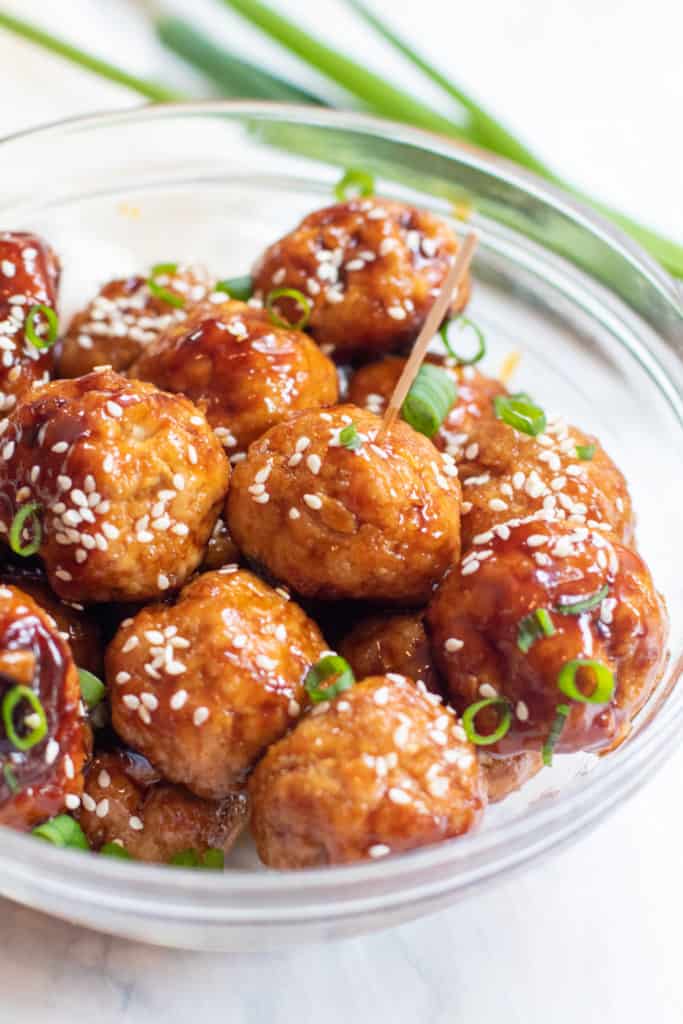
column 203, row 686
column 505, row 775
column 383, row 768
column 380, row 522
column 371, row 269
column 29, row 276
column 384, row 644
column 38, row 782
column 126, row 802
column 125, row 317
column 129, row 481
column 243, row 372
column 475, row 619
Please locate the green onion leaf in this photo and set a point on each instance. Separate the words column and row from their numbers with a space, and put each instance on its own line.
column 116, row 850
column 532, row 627
column 520, row 412
column 431, row 397
column 332, row 666
column 63, row 831
column 296, row 296
column 214, row 859
column 584, row 604
column 10, row 778
column 602, row 675
column 464, row 322
column 33, row 318
column 185, row 859
column 92, row 688
column 241, row 288
column 158, row 290
column 37, row 730
column 561, row 712
column 585, row 452
column 504, row 721
column 28, row 511
column 350, row 438
column 354, row 182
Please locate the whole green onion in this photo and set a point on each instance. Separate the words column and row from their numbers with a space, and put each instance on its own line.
column 504, row 721
column 332, row 666
column 431, row 397
column 63, row 831
column 602, row 674
column 28, row 511
column 10, row 702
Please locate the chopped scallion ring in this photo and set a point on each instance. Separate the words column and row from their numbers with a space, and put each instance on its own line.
column 158, row 290
column 115, row 850
column 602, row 675
column 63, row 831
column 38, row 340
column 584, row 604
column 28, row 511
column 213, row 859
column 504, row 721
column 532, row 627
column 241, row 288
column 354, row 183
column 520, row 412
column 585, row 452
column 332, row 666
column 92, row 688
column 296, row 296
column 561, row 712
column 350, row 438
column 10, row 778
column 38, row 731
column 431, row 397
column 464, row 322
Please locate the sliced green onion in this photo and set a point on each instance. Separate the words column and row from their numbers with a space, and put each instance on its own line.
column 585, row 604
column 116, row 850
column 561, row 712
column 92, row 688
column 296, row 296
column 520, row 412
column 63, row 831
column 28, row 511
column 38, row 340
column 159, row 270
column 585, row 452
column 214, row 859
column 603, row 676
column 431, row 397
column 185, row 859
column 350, row 438
column 332, row 665
column 532, row 627
column 504, row 722
column 241, row 288
column 10, row 702
column 465, row 323
column 10, row 778
column 354, row 182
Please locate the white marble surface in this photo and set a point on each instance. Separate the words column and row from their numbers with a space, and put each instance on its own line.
column 594, row 934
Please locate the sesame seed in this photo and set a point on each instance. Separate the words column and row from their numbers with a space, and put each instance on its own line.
column 397, row 312
column 62, row 574
column 313, row 501
column 453, row 644
column 295, row 459
column 398, row 796
column 497, row 505
column 72, row 801
column 144, row 715
column 200, row 716
column 131, row 701
column 192, row 454
column 379, row 850
column 302, row 444
column 264, row 662
column 178, row 700
column 102, row 809
column 522, row 711
column 88, row 802
column 59, row 448
column 104, row 779
column 293, row 708
column 468, row 569
column 123, row 677
column 178, row 481
column 486, row 690
column 110, row 531
column 261, row 499
column 381, row 696
column 69, row 770
column 536, row 540
column 294, row 513
column 114, row 409
column 135, row 823
column 314, row 463
column 518, row 480
column 163, row 581
column 263, row 474
column 155, row 636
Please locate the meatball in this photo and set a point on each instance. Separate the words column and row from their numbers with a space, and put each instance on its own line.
column 391, row 643
column 379, row 522
column 243, row 372
column 370, row 268
column 489, row 642
column 29, row 276
column 126, row 802
column 129, row 482
column 42, row 753
column 383, row 768
column 203, row 686
column 125, row 317
column 505, row 775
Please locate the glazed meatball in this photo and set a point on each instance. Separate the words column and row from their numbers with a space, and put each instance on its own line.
column 243, row 372
column 128, row 481
column 383, row 768
column 489, row 642
column 203, row 686
column 29, row 276
column 391, row 643
column 125, row 317
column 42, row 754
column 380, row 522
column 126, row 802
column 370, row 268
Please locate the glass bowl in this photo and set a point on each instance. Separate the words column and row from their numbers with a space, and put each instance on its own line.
column 600, row 327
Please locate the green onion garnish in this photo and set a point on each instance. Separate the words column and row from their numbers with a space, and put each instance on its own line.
column 464, row 322
column 37, row 732
column 603, row 676
column 213, row 859
column 296, row 296
column 561, row 712
column 354, row 183
column 520, row 412
column 470, row 714
column 63, row 831
column 350, row 438
column 116, row 850
column 332, row 665
column 571, row 607
column 431, row 397
column 532, row 627
column 10, row 778
column 28, row 511
column 39, row 340
column 585, row 452
column 92, row 688
column 158, row 290
column 241, row 288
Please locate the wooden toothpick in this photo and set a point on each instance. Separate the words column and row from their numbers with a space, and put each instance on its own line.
column 430, row 327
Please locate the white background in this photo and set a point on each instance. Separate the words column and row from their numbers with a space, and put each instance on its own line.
column 596, row 87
